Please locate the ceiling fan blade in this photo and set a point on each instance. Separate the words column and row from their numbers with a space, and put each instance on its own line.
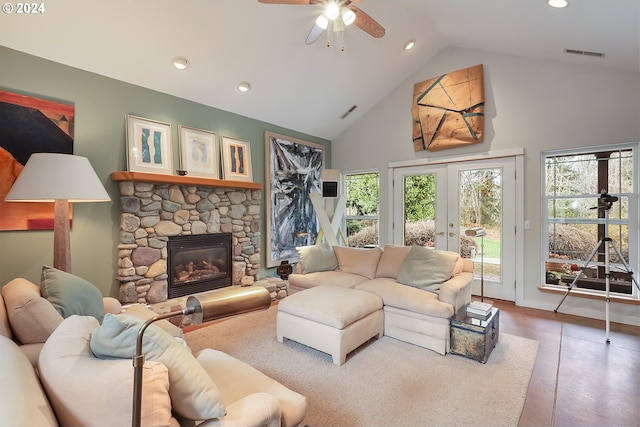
column 314, row 34
column 367, row 23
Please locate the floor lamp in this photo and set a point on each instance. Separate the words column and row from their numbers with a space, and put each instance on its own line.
column 479, row 232
column 61, row 179
column 202, row 308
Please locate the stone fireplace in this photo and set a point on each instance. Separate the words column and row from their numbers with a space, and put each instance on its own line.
column 155, row 213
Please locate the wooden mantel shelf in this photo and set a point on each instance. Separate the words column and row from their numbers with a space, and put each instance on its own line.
column 183, row 180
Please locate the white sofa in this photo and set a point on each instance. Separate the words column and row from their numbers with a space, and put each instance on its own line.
column 51, row 377
column 411, row 313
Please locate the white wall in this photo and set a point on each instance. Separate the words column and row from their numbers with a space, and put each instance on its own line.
column 533, row 105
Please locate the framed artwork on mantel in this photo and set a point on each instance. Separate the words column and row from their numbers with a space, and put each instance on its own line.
column 236, row 159
column 149, row 146
column 199, row 152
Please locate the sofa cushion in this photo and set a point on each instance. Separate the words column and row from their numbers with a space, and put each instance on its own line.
column 86, row 391
column 193, row 393
column 408, row 298
column 32, row 317
column 319, row 278
column 427, row 268
column 23, row 403
column 317, row 258
column 363, row 262
column 391, row 260
column 71, row 294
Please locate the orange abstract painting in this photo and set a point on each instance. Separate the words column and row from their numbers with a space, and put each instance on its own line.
column 29, row 125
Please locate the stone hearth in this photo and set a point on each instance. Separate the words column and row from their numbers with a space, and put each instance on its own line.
column 151, row 212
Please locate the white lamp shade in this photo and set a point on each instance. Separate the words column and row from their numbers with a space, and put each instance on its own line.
column 52, row 176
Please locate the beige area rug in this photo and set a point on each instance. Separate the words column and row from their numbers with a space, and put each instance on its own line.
column 386, row 382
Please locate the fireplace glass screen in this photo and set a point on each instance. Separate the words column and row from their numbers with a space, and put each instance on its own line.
column 198, row 263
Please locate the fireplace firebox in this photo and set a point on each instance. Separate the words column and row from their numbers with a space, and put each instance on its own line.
column 198, row 263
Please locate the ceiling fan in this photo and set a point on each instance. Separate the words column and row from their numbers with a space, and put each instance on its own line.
column 337, row 14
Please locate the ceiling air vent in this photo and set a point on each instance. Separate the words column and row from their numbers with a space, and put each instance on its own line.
column 584, row 53
column 349, row 111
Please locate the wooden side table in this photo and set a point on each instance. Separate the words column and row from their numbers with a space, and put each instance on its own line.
column 474, row 338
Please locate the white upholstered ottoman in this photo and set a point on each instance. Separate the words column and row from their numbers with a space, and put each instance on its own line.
column 331, row 319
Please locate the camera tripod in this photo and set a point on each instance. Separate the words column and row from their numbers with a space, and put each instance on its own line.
column 605, row 203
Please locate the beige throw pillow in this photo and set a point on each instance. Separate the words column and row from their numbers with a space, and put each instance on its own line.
column 86, row 391
column 317, row 258
column 426, row 268
column 391, row 261
column 363, row 262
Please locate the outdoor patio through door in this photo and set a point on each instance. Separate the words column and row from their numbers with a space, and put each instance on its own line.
column 434, row 205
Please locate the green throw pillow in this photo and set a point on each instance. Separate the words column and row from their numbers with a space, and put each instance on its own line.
column 71, row 294
column 426, row 268
column 193, row 393
column 317, row 258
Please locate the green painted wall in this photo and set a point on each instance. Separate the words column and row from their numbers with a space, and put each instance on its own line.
column 101, row 105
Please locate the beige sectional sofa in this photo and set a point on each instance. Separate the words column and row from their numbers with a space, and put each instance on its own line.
column 52, row 377
column 421, row 288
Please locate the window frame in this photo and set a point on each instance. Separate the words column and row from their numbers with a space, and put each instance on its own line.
column 347, row 217
column 631, row 220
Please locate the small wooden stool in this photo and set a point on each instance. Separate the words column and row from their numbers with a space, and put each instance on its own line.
column 330, row 319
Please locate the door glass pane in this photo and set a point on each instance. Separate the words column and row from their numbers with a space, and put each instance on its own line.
column 419, row 210
column 481, row 206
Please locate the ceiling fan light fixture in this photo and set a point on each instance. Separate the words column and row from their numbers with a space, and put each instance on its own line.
column 348, row 16
column 244, row 87
column 409, row 45
column 322, row 22
column 332, row 11
column 180, row 62
column 558, row 4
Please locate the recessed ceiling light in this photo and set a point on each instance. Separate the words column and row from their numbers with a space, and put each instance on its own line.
column 558, row 3
column 409, row 45
column 180, row 62
column 244, row 87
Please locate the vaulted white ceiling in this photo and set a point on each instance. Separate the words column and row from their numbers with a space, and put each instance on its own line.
column 301, row 87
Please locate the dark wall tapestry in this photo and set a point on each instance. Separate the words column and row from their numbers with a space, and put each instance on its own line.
column 29, row 125
column 293, row 169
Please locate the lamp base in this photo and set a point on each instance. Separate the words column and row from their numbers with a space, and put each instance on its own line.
column 61, row 236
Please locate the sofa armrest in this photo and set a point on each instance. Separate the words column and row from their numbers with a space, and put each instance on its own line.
column 23, row 402
column 111, row 305
column 457, row 290
column 254, row 410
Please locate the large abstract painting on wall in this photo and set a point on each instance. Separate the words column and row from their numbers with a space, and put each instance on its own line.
column 29, row 125
column 293, row 170
column 448, row 110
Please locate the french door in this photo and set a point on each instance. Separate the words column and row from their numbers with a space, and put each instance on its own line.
column 436, row 205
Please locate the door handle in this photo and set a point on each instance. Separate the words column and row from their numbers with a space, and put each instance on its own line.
column 440, row 233
column 451, row 234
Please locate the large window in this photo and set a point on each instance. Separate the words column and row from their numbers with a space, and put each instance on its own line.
column 363, row 201
column 589, row 198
